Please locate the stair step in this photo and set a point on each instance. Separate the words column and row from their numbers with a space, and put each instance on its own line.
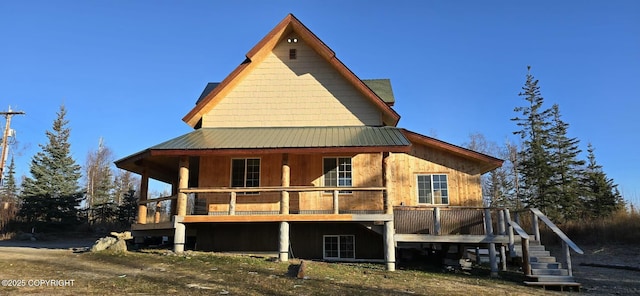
column 546, row 265
column 539, row 271
column 518, row 249
column 539, row 254
column 555, row 284
column 543, row 259
column 551, row 278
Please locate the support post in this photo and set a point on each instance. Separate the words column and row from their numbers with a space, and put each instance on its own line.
column 512, row 251
column 502, row 231
column 336, row 202
column 386, row 182
column 283, row 247
column 179, row 237
column 389, row 246
column 567, row 257
column 488, row 224
column 174, row 202
column 156, row 216
column 144, row 188
column 526, row 266
column 286, row 177
column 232, row 203
column 536, row 226
column 436, row 221
column 183, row 182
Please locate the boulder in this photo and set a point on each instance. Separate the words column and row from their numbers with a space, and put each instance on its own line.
column 103, row 243
column 118, row 246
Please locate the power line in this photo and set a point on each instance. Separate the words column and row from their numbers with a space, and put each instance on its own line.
column 5, row 138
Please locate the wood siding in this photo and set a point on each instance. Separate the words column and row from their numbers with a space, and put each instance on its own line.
column 305, row 91
column 464, row 188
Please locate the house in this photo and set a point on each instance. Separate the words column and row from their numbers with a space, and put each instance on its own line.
column 293, row 153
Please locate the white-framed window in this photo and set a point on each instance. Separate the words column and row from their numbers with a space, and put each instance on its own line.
column 338, row 172
column 433, row 189
column 245, row 172
column 339, row 246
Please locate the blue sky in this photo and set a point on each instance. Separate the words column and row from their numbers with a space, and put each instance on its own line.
column 128, row 71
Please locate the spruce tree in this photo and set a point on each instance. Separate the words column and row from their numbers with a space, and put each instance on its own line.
column 567, row 168
column 52, row 194
column 9, row 187
column 600, row 197
column 53, row 170
column 535, row 187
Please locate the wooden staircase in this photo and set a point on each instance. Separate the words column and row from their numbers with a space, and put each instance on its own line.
column 546, row 271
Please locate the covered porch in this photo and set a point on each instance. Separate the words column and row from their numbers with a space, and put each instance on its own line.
column 281, row 178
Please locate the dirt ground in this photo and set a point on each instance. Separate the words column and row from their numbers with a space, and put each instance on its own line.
column 608, row 281
column 595, row 280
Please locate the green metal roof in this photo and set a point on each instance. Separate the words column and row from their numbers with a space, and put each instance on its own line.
column 286, row 137
column 382, row 88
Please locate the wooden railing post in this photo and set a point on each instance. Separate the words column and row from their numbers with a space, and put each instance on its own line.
column 336, row 205
column 512, row 251
column 536, row 226
column 567, row 257
column 502, row 231
column 436, row 221
column 525, row 256
column 232, row 203
column 488, row 224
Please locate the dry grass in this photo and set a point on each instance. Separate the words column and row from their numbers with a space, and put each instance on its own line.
column 197, row 273
column 621, row 227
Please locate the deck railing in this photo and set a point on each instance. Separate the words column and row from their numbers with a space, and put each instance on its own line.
column 159, row 210
column 449, row 220
column 536, row 216
column 235, row 195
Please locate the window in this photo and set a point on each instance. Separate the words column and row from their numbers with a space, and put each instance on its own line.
column 432, row 189
column 293, row 54
column 339, row 247
column 245, row 172
column 337, row 172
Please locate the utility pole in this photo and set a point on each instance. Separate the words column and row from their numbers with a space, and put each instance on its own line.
column 5, row 138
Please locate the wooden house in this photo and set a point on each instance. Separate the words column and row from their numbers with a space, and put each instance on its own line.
column 293, row 153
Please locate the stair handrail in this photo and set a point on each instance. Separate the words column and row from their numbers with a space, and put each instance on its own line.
column 557, row 230
column 524, row 237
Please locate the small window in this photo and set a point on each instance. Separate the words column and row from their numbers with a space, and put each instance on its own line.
column 293, row 54
column 337, row 172
column 339, row 247
column 245, row 172
column 433, row 189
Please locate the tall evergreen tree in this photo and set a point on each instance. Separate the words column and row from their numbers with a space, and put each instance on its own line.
column 534, row 164
column 9, row 187
column 567, row 168
column 53, row 170
column 600, row 195
column 52, row 194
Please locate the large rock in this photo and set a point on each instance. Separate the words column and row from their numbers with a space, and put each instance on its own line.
column 103, row 243
column 118, row 246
